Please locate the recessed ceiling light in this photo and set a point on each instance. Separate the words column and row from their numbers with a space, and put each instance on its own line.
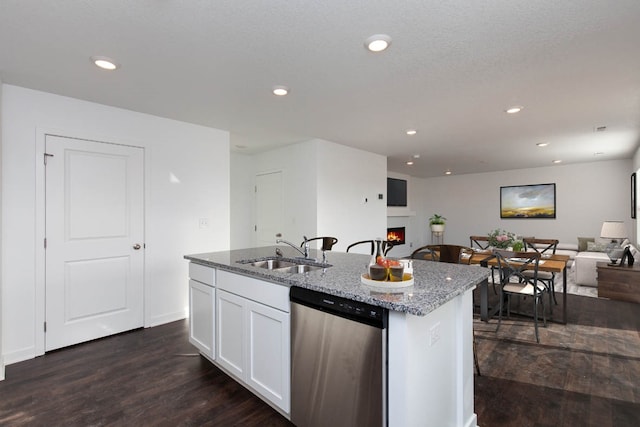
column 377, row 42
column 409, row 163
column 448, row 172
column 542, row 144
column 557, row 161
column 105, row 63
column 598, row 153
column 411, row 131
column 416, row 156
column 280, row 90
column 513, row 110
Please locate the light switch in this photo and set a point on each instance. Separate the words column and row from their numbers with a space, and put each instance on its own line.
column 203, row 222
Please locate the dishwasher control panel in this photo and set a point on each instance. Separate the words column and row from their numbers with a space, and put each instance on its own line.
column 354, row 310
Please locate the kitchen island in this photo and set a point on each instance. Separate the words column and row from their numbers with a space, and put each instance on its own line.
column 430, row 337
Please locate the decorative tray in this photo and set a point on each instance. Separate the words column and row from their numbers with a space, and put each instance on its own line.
column 407, row 280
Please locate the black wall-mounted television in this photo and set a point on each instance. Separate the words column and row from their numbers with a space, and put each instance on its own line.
column 396, row 192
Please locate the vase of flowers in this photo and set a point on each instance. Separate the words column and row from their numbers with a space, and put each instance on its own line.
column 501, row 239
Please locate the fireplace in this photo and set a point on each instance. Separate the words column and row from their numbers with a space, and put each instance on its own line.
column 396, row 235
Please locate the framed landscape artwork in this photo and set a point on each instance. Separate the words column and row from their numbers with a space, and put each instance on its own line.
column 528, row 201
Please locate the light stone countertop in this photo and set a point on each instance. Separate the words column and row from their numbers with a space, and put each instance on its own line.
column 434, row 283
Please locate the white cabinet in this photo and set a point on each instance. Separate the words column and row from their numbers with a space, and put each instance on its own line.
column 268, row 353
column 202, row 303
column 230, row 332
column 253, row 335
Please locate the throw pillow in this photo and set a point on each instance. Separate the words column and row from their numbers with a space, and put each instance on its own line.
column 595, row 247
column 582, row 243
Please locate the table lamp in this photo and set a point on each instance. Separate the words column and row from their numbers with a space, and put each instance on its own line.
column 613, row 230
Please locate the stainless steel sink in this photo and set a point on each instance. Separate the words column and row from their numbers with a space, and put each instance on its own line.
column 300, row 268
column 297, row 266
column 273, row 264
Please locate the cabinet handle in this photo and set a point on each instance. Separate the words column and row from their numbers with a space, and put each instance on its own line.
column 136, row 246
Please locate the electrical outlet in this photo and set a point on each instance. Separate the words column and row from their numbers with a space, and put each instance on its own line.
column 203, row 222
column 434, row 334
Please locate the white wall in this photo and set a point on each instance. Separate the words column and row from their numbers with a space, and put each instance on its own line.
column 242, row 201
column 1, row 245
column 325, row 188
column 349, row 181
column 586, row 195
column 186, row 178
column 298, row 165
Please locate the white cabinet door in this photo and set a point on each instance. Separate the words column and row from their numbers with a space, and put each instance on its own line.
column 202, row 303
column 230, row 332
column 268, row 351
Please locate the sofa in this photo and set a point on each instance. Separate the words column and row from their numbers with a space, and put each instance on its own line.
column 585, row 260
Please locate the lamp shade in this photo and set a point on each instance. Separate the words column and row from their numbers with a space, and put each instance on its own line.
column 613, row 230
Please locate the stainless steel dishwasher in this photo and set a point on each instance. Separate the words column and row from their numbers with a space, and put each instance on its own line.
column 338, row 361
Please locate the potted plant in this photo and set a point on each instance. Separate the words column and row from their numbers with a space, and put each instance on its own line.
column 437, row 223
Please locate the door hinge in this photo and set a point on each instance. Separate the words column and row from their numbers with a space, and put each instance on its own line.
column 255, row 188
column 45, row 157
column 45, row 243
column 255, row 228
column 45, row 326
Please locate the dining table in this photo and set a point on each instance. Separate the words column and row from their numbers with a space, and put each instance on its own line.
column 553, row 263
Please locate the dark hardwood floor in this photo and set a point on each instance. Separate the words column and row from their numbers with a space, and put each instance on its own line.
column 586, row 373
column 147, row 377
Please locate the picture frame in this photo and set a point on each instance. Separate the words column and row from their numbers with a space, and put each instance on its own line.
column 533, row 201
column 633, row 196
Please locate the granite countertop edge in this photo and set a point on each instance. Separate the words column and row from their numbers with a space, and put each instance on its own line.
column 435, row 283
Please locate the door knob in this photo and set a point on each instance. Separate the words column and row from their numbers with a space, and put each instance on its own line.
column 136, row 246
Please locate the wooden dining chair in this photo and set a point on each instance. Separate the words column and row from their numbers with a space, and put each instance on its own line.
column 327, row 242
column 513, row 281
column 482, row 243
column 479, row 242
column 544, row 247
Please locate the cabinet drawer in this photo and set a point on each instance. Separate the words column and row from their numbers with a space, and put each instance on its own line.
column 202, row 274
column 267, row 293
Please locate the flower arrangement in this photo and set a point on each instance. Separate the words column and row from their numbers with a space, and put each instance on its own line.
column 501, row 239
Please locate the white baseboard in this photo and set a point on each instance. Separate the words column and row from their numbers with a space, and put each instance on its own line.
column 166, row 318
column 19, row 356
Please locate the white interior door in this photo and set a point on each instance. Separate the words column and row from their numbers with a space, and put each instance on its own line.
column 269, row 207
column 94, row 240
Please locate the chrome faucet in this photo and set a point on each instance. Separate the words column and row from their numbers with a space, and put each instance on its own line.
column 304, row 253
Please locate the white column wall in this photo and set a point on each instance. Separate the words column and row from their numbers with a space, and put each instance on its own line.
column 298, row 165
column 186, row 178
column 349, row 181
column 326, row 185
column 243, row 216
column 1, row 247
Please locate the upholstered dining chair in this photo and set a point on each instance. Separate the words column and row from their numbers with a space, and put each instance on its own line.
column 454, row 254
column 327, row 242
column 544, row 247
column 513, row 281
column 386, row 246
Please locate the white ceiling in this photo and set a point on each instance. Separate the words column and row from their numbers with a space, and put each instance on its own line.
column 452, row 69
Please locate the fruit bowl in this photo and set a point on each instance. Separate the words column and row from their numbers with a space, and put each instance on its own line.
column 407, row 280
